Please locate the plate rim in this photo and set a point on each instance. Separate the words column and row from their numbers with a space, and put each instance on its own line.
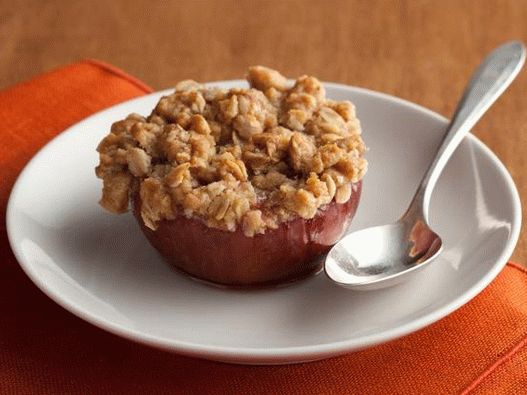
column 293, row 353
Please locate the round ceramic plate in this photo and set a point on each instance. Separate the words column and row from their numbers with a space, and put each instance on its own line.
column 100, row 267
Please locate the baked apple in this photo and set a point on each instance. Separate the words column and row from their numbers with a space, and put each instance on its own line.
column 280, row 255
column 242, row 187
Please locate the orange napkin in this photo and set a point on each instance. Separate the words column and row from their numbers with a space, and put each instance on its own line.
column 481, row 348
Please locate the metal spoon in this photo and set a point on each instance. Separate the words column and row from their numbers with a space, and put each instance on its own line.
column 385, row 255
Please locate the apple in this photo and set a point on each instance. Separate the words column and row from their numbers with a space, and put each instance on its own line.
column 280, row 255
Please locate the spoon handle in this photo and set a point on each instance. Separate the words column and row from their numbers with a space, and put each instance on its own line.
column 488, row 82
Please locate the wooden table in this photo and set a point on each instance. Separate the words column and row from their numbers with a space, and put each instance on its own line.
column 419, row 50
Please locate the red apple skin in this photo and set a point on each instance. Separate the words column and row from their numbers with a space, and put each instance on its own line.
column 228, row 258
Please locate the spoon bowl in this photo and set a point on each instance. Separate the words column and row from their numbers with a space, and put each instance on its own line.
column 377, row 257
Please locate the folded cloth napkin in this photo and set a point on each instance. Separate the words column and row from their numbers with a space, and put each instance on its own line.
column 481, row 348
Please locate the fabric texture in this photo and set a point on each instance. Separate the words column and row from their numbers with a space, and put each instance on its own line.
column 481, row 348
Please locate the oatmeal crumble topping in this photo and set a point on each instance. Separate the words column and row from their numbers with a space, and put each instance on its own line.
column 251, row 157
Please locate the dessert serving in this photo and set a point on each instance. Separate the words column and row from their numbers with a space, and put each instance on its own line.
column 245, row 186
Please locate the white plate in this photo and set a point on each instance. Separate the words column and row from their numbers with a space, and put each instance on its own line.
column 100, row 267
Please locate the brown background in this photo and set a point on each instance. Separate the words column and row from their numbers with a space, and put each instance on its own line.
column 422, row 51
